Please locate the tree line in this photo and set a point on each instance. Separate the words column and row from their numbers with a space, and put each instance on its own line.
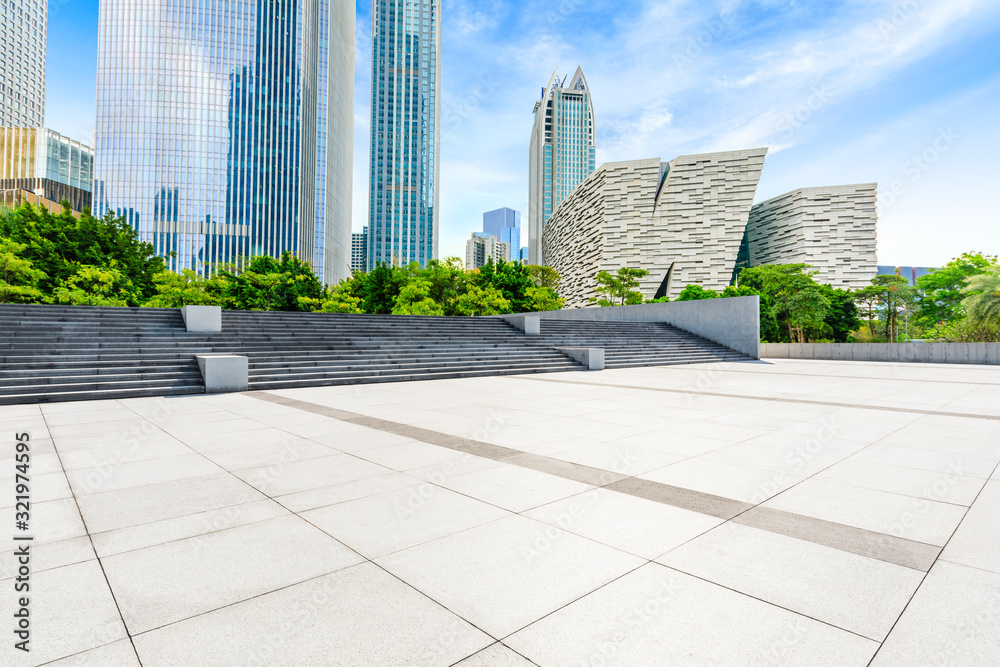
column 59, row 259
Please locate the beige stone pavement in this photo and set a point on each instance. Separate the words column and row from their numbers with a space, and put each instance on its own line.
column 773, row 513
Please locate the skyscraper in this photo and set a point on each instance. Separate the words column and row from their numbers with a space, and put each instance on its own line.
column 562, row 152
column 22, row 62
column 224, row 130
column 483, row 247
column 403, row 222
column 505, row 224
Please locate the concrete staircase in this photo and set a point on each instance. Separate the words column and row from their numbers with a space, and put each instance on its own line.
column 61, row 353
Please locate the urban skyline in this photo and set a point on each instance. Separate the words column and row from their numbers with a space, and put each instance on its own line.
column 935, row 86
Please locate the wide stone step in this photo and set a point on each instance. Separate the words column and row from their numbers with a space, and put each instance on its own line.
column 52, row 388
column 405, row 377
column 96, row 395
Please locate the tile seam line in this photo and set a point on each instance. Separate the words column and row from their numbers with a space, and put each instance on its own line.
column 937, row 559
column 90, row 539
column 774, row 399
column 709, row 498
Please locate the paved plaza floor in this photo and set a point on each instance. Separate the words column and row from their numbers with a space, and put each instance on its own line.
column 771, row 513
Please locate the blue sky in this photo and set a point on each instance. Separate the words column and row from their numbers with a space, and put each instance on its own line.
column 904, row 93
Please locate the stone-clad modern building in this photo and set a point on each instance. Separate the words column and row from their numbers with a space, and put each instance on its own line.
column 225, row 128
column 688, row 215
column 562, row 153
column 45, row 164
column 403, row 219
column 832, row 228
column 23, row 30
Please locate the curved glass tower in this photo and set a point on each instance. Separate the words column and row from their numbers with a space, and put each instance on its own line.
column 406, row 95
column 224, row 128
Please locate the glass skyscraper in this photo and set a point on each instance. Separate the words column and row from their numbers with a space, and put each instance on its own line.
column 23, row 29
column 505, row 224
column 562, row 152
column 47, row 164
column 403, row 222
column 224, row 128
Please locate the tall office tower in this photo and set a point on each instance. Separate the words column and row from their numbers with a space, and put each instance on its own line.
column 224, row 129
column 562, row 152
column 483, row 247
column 403, row 223
column 23, row 29
column 505, row 224
column 37, row 164
column 359, row 251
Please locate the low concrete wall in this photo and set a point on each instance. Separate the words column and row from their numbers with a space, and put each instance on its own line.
column 917, row 353
column 733, row 322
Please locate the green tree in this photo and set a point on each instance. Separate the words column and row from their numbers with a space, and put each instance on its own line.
column 794, row 316
column 344, row 298
column 941, row 289
column 769, row 330
column 868, row 299
column 380, row 287
column 511, row 279
column 58, row 244
column 982, row 301
column 805, row 308
column 696, row 293
column 187, row 288
column 894, row 297
column 480, row 301
column 842, row 317
column 619, row 289
column 544, row 298
column 92, row 286
column 447, row 280
column 414, row 299
column 544, row 276
column 18, row 278
column 286, row 284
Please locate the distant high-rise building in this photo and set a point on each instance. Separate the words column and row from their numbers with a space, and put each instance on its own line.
column 911, row 273
column 523, row 255
column 359, row 251
column 505, row 224
column 22, row 62
column 45, row 164
column 483, row 247
column 225, row 128
column 406, row 98
column 562, row 152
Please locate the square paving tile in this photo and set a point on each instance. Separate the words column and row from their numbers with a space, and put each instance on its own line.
column 641, row 527
column 115, row 654
column 506, row 574
column 284, row 478
column 976, row 543
column 749, row 485
column 382, row 524
column 657, row 616
column 514, row 488
column 903, row 516
column 72, row 611
column 357, row 616
column 155, row 586
column 858, row 594
column 954, row 619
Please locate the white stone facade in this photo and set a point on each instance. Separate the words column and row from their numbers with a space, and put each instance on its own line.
column 690, row 213
column 832, row 228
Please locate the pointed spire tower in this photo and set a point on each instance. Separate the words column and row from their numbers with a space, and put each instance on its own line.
column 562, row 151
